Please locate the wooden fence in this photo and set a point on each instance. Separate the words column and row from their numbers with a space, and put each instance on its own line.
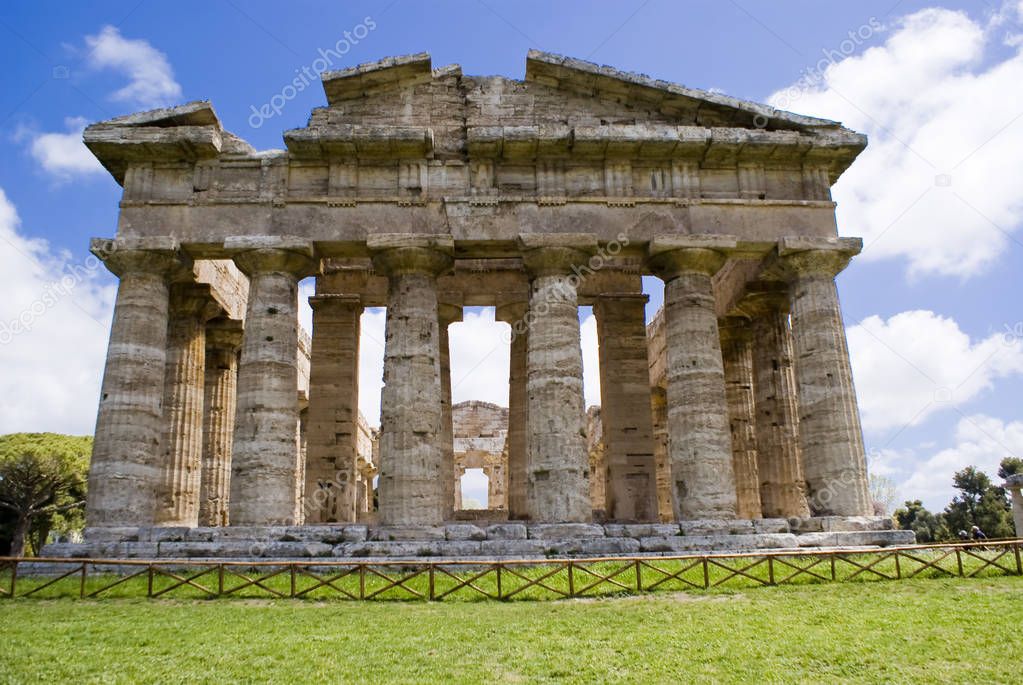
column 496, row 579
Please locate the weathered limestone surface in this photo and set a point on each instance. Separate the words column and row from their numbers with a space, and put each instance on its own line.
column 737, row 353
column 631, row 490
column 830, row 436
column 331, row 473
column 125, row 466
column 447, row 314
column 184, row 387
column 265, row 453
column 597, row 451
column 411, row 455
column 699, row 435
column 558, row 471
column 517, row 445
column 223, row 341
column 779, row 458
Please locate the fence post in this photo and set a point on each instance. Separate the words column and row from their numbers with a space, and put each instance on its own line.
column 220, row 579
column 959, row 561
column 149, row 581
column 1019, row 566
column 571, row 580
column 834, row 575
column 362, row 581
column 498, row 566
column 898, row 566
column 433, row 594
column 706, row 574
column 639, row 577
column 14, row 577
column 81, row 583
column 291, row 569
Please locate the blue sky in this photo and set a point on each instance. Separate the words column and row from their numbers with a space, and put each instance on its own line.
column 932, row 305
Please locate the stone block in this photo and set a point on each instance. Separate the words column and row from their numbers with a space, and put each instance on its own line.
column 185, row 550
column 67, row 550
column 806, row 525
column 355, row 533
column 276, row 550
column 464, row 531
column 135, row 550
column 836, row 524
column 200, row 534
column 248, row 532
column 608, row 546
column 167, row 533
column 871, row 538
column 526, row 549
column 816, row 539
column 771, row 526
column 641, row 530
column 506, row 531
column 560, row 531
column 111, row 534
column 717, row 527
column 400, row 533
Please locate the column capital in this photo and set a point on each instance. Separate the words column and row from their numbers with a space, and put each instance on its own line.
column 670, row 256
column 192, row 300
column 266, row 254
column 161, row 256
column 510, row 312
column 334, row 301
column 555, row 254
column 765, row 298
column 396, row 254
column 735, row 329
column 224, row 334
column 448, row 313
column 801, row 257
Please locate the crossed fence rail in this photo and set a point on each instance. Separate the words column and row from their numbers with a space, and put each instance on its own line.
column 498, row 579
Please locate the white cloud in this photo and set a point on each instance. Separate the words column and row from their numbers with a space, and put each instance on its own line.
column 371, row 363
column 151, row 77
column 64, row 155
column 918, row 363
column 980, row 441
column 591, row 361
column 937, row 185
column 54, row 325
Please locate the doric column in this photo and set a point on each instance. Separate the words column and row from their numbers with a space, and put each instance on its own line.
column 737, row 358
column 699, row 440
column 659, row 411
column 829, row 421
column 558, row 467
column 447, row 314
column 177, row 494
column 331, row 491
column 514, row 314
column 125, row 466
column 223, row 339
column 265, row 455
column 411, row 486
column 631, row 486
column 779, row 458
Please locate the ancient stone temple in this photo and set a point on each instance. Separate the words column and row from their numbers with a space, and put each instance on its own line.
column 425, row 191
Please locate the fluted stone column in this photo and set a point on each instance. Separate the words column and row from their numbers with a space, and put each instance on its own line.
column 177, row 496
column 631, row 490
column 223, row 339
column 125, row 467
column 659, row 411
column 447, row 314
column 779, row 458
column 265, row 454
column 737, row 358
column 331, row 490
column 514, row 314
column 829, row 421
column 558, row 467
column 700, row 440
column 411, row 489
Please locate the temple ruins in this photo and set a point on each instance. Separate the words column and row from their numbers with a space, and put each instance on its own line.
column 728, row 421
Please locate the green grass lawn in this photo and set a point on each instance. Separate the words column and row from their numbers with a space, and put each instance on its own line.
column 928, row 630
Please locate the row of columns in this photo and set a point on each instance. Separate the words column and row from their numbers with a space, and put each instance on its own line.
column 730, row 406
